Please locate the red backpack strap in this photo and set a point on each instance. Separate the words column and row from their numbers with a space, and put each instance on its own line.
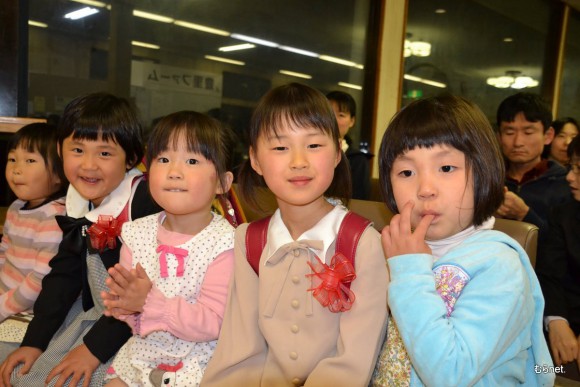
column 256, row 236
column 349, row 234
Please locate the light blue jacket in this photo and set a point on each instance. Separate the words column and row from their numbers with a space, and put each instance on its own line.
column 493, row 336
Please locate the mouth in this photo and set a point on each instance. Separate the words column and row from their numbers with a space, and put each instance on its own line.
column 175, row 190
column 300, row 180
column 90, row 180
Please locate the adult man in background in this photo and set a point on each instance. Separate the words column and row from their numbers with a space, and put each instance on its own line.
column 533, row 185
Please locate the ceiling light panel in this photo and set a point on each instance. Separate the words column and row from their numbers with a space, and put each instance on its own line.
column 81, row 13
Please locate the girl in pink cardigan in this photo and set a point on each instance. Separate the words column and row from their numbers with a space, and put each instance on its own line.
column 171, row 283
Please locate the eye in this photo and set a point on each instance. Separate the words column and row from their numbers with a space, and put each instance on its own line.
column 405, row 173
column 279, row 148
column 314, row 146
column 192, row 161
column 106, row 154
column 162, row 160
column 76, row 150
column 30, row 161
column 11, row 160
column 448, row 168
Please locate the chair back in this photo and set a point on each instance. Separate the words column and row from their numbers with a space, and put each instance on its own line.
column 525, row 234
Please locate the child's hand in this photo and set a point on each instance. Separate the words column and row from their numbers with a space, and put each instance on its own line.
column 398, row 237
column 25, row 355
column 78, row 363
column 129, row 287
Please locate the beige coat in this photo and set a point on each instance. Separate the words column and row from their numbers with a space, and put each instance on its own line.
column 276, row 334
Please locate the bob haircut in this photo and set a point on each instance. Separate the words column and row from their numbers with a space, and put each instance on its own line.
column 456, row 122
column 201, row 133
column 304, row 107
column 41, row 138
column 345, row 102
column 531, row 105
column 103, row 115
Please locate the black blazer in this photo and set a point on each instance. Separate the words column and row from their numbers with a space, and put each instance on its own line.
column 558, row 264
column 68, row 279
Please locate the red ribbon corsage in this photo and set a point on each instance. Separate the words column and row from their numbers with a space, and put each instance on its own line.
column 104, row 232
column 331, row 284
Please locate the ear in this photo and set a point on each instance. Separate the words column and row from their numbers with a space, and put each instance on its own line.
column 338, row 157
column 58, row 151
column 549, row 136
column 229, row 179
column 254, row 162
column 352, row 122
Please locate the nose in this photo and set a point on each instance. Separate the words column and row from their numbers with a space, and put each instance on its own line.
column 175, row 171
column 88, row 162
column 517, row 139
column 299, row 159
column 570, row 176
column 427, row 188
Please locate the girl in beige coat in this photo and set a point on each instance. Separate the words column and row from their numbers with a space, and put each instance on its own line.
column 282, row 327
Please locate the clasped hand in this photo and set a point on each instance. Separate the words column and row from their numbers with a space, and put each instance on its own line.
column 128, row 291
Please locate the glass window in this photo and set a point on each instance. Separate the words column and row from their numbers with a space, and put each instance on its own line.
column 463, row 47
column 570, row 91
column 207, row 55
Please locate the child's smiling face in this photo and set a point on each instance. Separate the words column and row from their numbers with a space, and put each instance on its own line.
column 94, row 168
column 436, row 180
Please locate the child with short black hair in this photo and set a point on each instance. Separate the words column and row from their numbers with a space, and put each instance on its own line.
column 69, row 339
column 466, row 304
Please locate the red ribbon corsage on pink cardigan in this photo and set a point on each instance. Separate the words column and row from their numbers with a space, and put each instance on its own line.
column 104, row 232
column 331, row 283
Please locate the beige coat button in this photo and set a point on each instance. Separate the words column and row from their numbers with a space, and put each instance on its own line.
column 296, row 381
column 296, row 252
column 293, row 355
column 294, row 328
column 295, row 279
column 295, row 304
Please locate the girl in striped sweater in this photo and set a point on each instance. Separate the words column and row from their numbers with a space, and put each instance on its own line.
column 31, row 235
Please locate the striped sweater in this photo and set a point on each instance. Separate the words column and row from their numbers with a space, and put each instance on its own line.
column 30, row 240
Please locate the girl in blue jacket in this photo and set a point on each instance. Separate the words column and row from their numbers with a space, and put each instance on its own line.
column 465, row 302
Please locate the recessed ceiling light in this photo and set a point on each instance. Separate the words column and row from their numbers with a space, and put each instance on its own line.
column 254, row 40
column 146, row 45
column 80, row 13
column 337, row 60
column 295, row 74
column 37, row 24
column 298, row 51
column 152, row 16
column 424, row 80
column 94, row 3
column 225, row 60
column 350, row 85
column 201, row 28
column 440, row 10
column 243, row 46
column 508, row 40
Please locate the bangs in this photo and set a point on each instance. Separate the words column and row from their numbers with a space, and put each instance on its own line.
column 424, row 128
column 30, row 144
column 274, row 125
column 293, row 104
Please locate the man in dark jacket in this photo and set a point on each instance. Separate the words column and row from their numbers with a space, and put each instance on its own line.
column 533, row 185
